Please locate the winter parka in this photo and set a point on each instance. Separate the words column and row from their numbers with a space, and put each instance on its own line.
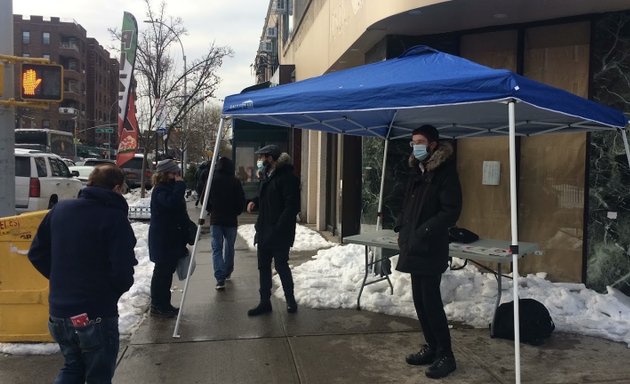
column 84, row 246
column 168, row 229
column 432, row 204
column 278, row 203
column 227, row 198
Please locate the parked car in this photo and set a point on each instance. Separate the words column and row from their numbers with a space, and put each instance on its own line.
column 41, row 180
column 133, row 172
column 81, row 172
column 94, row 161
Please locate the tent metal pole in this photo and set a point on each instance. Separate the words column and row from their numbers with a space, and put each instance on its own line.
column 514, row 246
column 379, row 214
column 200, row 223
column 625, row 144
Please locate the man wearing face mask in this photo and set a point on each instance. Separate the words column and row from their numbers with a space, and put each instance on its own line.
column 432, row 204
column 278, row 202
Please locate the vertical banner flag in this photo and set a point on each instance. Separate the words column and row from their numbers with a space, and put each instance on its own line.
column 127, row 123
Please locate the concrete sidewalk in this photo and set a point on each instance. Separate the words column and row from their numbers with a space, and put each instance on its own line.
column 220, row 344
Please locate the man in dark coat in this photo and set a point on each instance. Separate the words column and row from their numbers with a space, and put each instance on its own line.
column 278, row 203
column 226, row 201
column 432, row 204
column 85, row 248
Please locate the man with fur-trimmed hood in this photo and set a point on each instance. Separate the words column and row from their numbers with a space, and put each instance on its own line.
column 432, row 204
column 278, row 203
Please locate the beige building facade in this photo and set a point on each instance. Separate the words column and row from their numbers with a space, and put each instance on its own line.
column 555, row 42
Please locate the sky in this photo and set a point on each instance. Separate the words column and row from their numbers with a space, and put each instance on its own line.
column 235, row 23
column 332, row 279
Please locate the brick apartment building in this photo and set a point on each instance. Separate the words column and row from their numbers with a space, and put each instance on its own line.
column 90, row 78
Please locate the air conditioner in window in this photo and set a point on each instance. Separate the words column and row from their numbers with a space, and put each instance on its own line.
column 67, row 111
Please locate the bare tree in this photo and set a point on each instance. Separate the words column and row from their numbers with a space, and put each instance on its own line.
column 160, row 81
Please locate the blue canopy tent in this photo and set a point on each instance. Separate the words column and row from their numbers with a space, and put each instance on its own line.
column 388, row 99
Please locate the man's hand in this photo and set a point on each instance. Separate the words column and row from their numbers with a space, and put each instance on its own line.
column 250, row 207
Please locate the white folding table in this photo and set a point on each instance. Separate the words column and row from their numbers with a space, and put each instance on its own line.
column 485, row 250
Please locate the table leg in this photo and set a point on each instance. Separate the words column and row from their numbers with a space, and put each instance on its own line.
column 498, row 301
column 367, row 266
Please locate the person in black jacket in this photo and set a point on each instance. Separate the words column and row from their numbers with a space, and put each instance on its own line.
column 201, row 177
column 168, row 234
column 432, row 204
column 85, row 248
column 226, row 201
column 278, row 203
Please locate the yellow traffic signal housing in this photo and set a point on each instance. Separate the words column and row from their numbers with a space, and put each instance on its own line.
column 41, row 82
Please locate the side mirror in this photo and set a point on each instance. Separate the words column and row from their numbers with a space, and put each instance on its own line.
column 75, row 173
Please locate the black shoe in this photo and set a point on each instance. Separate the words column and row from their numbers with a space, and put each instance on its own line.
column 442, row 367
column 220, row 286
column 168, row 312
column 292, row 305
column 425, row 356
column 260, row 309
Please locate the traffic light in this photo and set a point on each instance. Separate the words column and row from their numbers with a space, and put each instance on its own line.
column 41, row 82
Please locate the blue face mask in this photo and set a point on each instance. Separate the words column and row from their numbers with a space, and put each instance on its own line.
column 420, row 151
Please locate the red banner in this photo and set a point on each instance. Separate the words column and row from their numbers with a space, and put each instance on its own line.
column 128, row 134
column 127, row 122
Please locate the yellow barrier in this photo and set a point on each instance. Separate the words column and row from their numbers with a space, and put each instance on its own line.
column 23, row 291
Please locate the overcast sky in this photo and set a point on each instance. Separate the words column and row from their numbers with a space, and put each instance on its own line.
column 234, row 23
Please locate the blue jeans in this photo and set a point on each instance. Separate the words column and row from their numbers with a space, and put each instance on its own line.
column 223, row 239
column 90, row 352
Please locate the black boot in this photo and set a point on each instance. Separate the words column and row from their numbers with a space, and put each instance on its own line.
column 425, row 356
column 442, row 367
column 292, row 306
column 260, row 309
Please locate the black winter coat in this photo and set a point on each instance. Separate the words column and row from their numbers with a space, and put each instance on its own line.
column 168, row 229
column 278, row 203
column 432, row 204
column 227, row 198
column 85, row 247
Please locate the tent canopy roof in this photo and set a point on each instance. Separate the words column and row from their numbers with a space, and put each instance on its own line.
column 390, row 98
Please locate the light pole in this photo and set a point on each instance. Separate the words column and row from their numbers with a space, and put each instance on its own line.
column 184, row 159
column 109, row 134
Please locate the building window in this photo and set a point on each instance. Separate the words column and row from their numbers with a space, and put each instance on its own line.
column 26, row 55
column 45, row 123
column 26, row 37
column 46, row 38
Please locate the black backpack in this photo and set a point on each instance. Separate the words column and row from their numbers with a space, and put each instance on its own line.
column 535, row 322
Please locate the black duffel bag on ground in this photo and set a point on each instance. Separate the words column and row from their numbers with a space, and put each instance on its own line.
column 535, row 325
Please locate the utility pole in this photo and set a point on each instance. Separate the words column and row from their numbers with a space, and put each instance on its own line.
column 7, row 114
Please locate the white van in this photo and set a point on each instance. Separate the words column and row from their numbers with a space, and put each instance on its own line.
column 41, row 180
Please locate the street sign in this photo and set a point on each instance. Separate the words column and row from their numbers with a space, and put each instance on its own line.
column 161, row 131
column 104, row 130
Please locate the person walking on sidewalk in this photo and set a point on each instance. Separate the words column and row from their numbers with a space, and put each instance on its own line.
column 278, row 203
column 226, row 201
column 432, row 204
column 84, row 247
column 168, row 234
